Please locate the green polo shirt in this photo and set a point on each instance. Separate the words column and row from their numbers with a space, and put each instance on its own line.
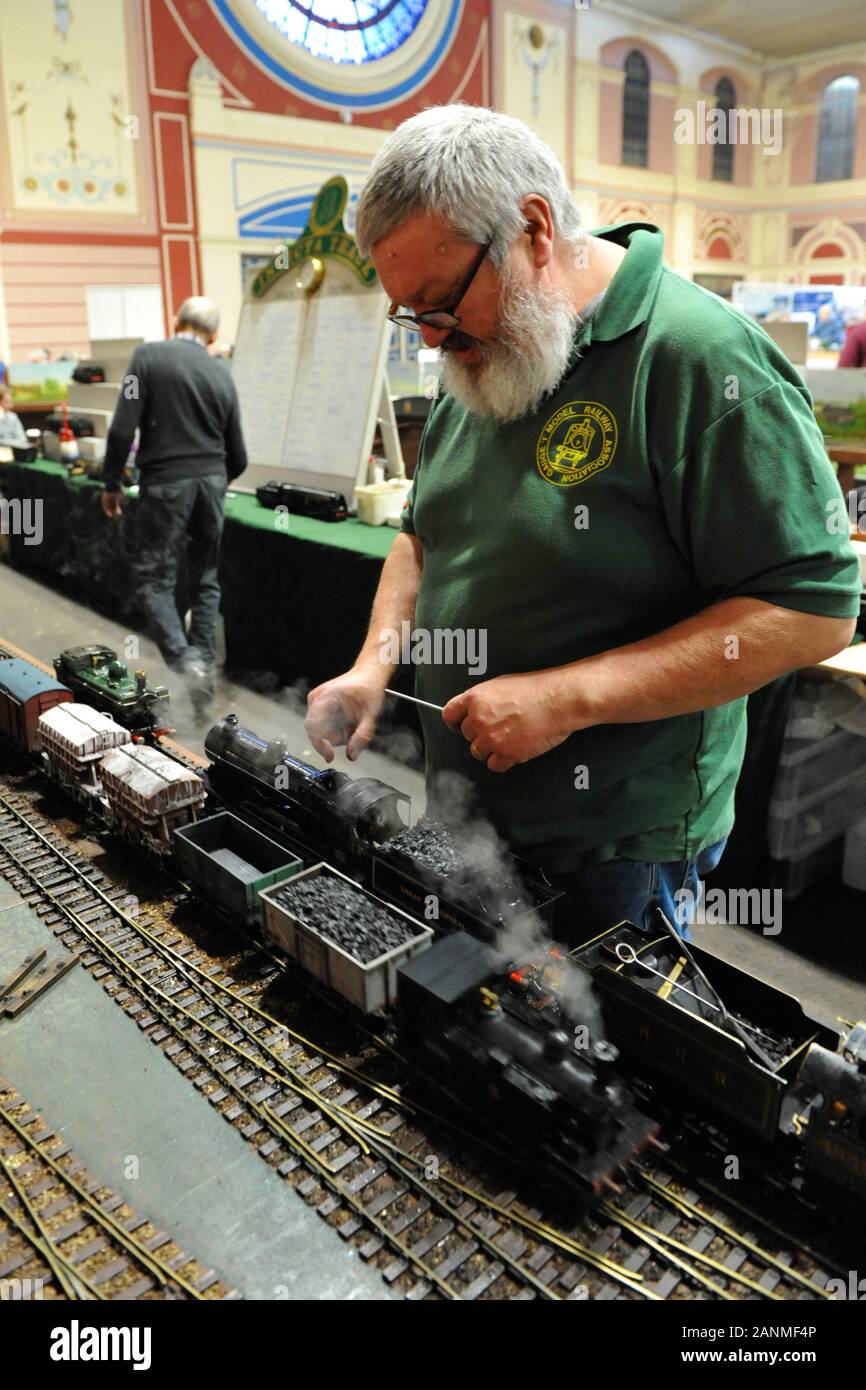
column 677, row 464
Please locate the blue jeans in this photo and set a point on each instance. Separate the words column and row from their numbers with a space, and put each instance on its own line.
column 600, row 895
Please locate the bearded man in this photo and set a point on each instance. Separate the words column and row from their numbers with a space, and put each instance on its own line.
column 622, row 486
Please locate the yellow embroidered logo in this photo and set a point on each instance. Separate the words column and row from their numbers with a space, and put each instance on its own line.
column 577, row 441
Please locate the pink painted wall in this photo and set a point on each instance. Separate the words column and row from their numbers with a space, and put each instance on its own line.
column 661, row 133
column 51, row 309
column 610, row 122
column 804, row 152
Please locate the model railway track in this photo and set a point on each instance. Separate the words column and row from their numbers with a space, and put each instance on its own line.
column 410, row 1196
column 65, row 1234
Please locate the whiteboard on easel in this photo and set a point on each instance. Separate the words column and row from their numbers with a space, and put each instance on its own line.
column 310, row 358
column 336, row 388
column 263, row 367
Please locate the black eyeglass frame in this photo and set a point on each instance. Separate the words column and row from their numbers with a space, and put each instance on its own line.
column 432, row 318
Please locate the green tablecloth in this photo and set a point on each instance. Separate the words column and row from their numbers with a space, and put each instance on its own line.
column 296, row 593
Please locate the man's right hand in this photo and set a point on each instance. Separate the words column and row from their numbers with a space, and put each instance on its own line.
column 345, row 710
column 112, row 502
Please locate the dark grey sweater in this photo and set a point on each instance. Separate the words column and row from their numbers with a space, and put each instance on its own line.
column 185, row 405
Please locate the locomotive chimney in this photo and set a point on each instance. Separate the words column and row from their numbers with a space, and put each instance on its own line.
column 557, row 1045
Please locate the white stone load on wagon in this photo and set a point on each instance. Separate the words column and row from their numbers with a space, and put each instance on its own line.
column 74, row 737
column 81, row 730
column 147, row 789
column 149, row 779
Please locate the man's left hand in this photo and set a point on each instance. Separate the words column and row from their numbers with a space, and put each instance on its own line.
column 509, row 719
column 112, row 502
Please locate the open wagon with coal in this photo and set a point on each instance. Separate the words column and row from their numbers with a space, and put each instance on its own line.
column 343, row 935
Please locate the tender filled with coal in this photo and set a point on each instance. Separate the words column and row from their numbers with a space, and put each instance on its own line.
column 433, row 844
column 467, row 857
column 345, row 916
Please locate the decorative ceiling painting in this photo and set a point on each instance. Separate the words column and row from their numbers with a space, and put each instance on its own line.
column 70, row 124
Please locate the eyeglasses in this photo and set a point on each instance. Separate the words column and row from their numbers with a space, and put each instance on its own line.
column 444, row 317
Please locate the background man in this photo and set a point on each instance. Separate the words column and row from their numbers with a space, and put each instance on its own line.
column 185, row 406
column 853, row 353
column 623, row 485
column 829, row 330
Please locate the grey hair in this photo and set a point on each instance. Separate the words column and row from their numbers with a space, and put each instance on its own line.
column 473, row 167
column 199, row 314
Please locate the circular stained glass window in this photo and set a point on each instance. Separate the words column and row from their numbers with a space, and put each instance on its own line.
column 344, row 31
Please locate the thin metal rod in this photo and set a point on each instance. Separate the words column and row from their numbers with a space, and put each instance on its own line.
column 414, row 700
column 627, row 954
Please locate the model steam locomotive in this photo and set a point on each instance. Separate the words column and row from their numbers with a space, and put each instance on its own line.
column 96, row 676
column 319, row 811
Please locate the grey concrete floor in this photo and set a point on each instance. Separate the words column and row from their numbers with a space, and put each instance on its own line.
column 115, row 1097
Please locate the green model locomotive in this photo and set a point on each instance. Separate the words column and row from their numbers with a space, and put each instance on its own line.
column 96, row 676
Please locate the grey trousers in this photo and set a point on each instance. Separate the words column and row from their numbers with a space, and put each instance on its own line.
column 174, row 518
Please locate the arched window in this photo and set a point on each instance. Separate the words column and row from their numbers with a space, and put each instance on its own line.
column 723, row 154
column 635, row 110
column 837, row 129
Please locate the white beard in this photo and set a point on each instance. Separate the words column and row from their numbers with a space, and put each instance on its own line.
column 526, row 361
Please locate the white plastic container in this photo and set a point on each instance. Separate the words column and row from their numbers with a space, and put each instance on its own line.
column 91, row 449
column 379, row 502
column 854, row 863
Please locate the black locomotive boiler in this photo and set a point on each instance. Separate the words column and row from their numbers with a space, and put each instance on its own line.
column 319, row 813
